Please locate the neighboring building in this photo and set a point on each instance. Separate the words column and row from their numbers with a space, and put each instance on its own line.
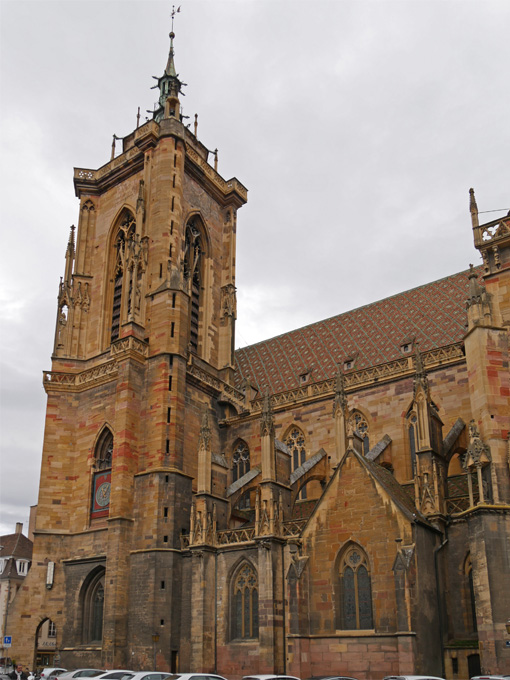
column 336, row 499
column 15, row 561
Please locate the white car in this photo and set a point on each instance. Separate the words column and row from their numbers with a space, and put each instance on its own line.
column 412, row 677
column 115, row 675
column 82, row 673
column 151, row 675
column 46, row 672
column 195, row 676
column 270, row 677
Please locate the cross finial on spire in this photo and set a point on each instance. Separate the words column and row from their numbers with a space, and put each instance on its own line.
column 174, row 12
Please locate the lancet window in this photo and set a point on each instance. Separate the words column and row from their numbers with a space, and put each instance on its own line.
column 193, row 264
column 122, row 283
column 245, row 599
column 93, row 609
column 295, row 442
column 240, row 460
column 360, row 427
column 355, row 590
column 470, row 595
column 101, row 483
column 412, row 431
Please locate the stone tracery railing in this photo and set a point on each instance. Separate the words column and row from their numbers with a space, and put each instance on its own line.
column 228, row 392
column 224, row 185
column 389, row 371
column 224, row 537
column 492, row 231
column 83, row 380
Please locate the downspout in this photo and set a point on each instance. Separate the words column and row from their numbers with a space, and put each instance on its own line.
column 284, row 593
column 438, row 596
column 215, row 611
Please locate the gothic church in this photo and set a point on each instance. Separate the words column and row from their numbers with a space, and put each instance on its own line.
column 333, row 500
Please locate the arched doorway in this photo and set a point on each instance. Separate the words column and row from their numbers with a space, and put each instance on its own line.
column 46, row 653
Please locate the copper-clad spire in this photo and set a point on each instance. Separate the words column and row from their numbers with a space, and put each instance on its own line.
column 170, row 66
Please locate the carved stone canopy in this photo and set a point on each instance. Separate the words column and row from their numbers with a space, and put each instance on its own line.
column 478, row 453
column 267, row 420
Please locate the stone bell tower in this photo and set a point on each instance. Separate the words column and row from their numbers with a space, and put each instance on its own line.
column 487, row 358
column 143, row 349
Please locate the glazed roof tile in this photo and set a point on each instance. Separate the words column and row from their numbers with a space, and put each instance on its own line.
column 434, row 314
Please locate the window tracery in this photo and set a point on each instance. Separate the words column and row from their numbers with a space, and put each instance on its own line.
column 245, row 610
column 295, row 442
column 359, row 424
column 355, row 590
column 412, row 431
column 193, row 256
column 101, row 483
column 240, row 460
column 93, row 609
column 121, row 290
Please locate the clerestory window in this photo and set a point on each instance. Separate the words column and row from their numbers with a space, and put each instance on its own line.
column 360, row 426
column 295, row 442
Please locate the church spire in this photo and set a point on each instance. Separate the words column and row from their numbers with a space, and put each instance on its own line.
column 169, row 84
column 170, row 66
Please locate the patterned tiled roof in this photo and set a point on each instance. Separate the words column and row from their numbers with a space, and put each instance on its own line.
column 433, row 314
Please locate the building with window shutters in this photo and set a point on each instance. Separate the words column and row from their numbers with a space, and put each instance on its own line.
column 332, row 500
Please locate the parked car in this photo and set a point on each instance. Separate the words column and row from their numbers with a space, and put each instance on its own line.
column 412, row 677
column 46, row 673
column 81, row 673
column 193, row 676
column 152, row 675
column 270, row 677
column 331, row 677
column 491, row 677
column 115, row 675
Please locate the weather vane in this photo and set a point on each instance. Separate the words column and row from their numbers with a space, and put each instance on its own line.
column 174, row 12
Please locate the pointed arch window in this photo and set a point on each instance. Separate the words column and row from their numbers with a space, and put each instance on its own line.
column 295, row 442
column 245, row 604
column 360, row 426
column 193, row 265
column 412, row 431
column 101, row 484
column 121, row 286
column 240, row 460
column 93, row 608
column 470, row 595
column 355, row 590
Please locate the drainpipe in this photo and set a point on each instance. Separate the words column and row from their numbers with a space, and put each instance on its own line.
column 438, row 595
column 284, row 593
column 215, row 611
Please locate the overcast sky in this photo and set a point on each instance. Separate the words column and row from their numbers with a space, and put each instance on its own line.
column 358, row 128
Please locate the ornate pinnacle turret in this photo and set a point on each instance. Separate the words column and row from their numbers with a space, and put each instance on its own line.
column 169, row 85
column 70, row 251
column 340, row 402
column 420, row 377
column 205, row 432
column 266, row 421
column 473, row 208
column 475, row 290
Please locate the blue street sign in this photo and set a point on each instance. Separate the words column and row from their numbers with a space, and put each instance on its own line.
column 7, row 640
